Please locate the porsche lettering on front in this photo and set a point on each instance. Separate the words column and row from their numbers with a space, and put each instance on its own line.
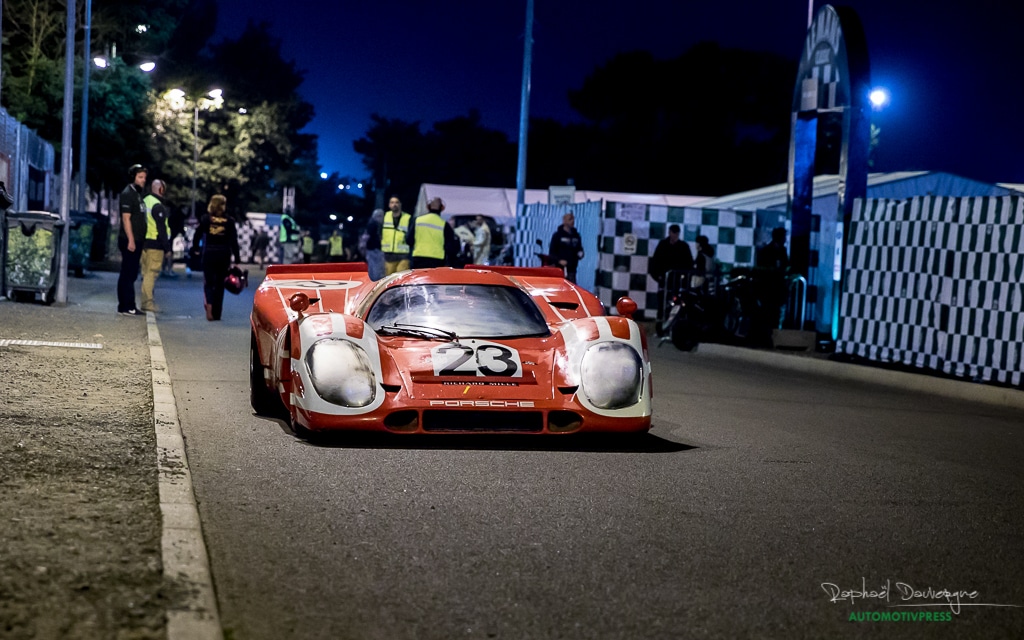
column 438, row 350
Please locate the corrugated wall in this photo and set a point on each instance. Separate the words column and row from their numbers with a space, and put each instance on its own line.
column 21, row 149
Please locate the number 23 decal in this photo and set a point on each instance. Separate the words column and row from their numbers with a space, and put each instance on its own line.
column 483, row 359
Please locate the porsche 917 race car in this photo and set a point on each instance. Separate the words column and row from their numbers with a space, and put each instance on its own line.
column 480, row 350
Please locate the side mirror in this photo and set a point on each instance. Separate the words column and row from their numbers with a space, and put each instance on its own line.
column 626, row 307
column 298, row 302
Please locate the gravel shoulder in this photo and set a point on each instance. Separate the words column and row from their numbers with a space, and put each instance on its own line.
column 80, row 523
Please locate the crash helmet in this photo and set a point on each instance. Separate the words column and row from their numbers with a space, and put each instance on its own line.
column 236, row 280
column 135, row 168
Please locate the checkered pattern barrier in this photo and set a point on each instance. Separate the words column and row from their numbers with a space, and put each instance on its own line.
column 937, row 283
column 630, row 233
column 539, row 222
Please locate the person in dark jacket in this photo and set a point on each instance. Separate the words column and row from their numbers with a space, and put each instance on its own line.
column 566, row 249
column 370, row 245
column 670, row 264
column 219, row 239
column 129, row 240
column 773, row 265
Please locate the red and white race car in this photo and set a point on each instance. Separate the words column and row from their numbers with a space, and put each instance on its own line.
column 481, row 350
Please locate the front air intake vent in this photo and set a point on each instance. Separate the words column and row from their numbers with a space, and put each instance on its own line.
column 510, row 421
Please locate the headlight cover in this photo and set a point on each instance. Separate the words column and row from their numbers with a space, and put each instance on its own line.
column 611, row 373
column 341, row 373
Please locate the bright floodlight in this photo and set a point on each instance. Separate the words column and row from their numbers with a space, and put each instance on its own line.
column 341, row 186
column 879, row 98
column 323, row 175
column 147, row 66
column 350, row 218
column 142, row 28
column 216, row 93
column 334, row 217
column 359, row 185
column 100, row 62
column 176, row 94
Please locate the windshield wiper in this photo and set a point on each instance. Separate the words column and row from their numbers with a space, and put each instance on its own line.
column 417, row 331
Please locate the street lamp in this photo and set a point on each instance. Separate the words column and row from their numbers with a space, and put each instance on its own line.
column 212, row 100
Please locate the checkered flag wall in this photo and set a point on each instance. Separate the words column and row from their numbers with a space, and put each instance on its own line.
column 630, row 233
column 937, row 283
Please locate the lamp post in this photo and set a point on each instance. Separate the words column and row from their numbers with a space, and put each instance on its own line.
column 212, row 100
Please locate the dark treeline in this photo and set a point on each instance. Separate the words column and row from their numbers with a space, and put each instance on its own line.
column 709, row 122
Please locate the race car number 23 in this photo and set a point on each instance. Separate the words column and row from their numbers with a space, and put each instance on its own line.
column 482, row 359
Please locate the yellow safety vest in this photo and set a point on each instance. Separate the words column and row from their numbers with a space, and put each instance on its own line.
column 283, row 235
column 152, row 233
column 429, row 236
column 307, row 244
column 337, row 248
column 392, row 239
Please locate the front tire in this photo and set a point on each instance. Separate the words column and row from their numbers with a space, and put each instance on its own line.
column 265, row 402
column 685, row 334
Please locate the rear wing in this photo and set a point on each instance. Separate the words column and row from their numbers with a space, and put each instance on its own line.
column 506, row 270
column 320, row 267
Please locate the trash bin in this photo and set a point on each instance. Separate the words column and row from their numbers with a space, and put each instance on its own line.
column 32, row 241
column 80, row 242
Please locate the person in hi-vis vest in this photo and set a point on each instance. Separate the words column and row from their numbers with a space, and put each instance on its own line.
column 307, row 247
column 393, row 237
column 157, row 242
column 288, row 237
column 336, row 247
column 433, row 241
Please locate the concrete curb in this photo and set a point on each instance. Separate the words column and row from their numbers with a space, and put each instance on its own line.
column 957, row 389
column 182, row 545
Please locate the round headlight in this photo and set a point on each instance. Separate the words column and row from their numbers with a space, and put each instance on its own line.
column 611, row 375
column 341, row 373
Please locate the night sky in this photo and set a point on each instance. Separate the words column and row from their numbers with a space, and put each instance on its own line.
column 953, row 68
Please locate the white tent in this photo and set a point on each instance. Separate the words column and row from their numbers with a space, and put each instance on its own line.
column 500, row 203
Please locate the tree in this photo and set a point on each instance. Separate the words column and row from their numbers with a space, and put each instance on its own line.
column 729, row 131
column 400, row 157
column 251, row 146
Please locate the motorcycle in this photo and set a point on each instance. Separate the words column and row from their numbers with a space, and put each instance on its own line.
column 545, row 259
column 701, row 310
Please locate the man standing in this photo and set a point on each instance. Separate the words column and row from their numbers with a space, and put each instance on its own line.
column 157, row 244
column 259, row 246
column 307, row 247
column 481, row 241
column 433, row 242
column 129, row 240
column 288, row 238
column 373, row 253
column 773, row 263
column 567, row 246
column 672, row 255
column 392, row 238
column 336, row 247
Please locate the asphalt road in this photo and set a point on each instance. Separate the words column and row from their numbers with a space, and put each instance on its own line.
column 755, row 487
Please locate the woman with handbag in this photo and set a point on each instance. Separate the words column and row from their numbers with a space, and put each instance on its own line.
column 218, row 236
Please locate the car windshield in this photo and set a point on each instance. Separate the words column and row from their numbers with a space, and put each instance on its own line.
column 469, row 311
